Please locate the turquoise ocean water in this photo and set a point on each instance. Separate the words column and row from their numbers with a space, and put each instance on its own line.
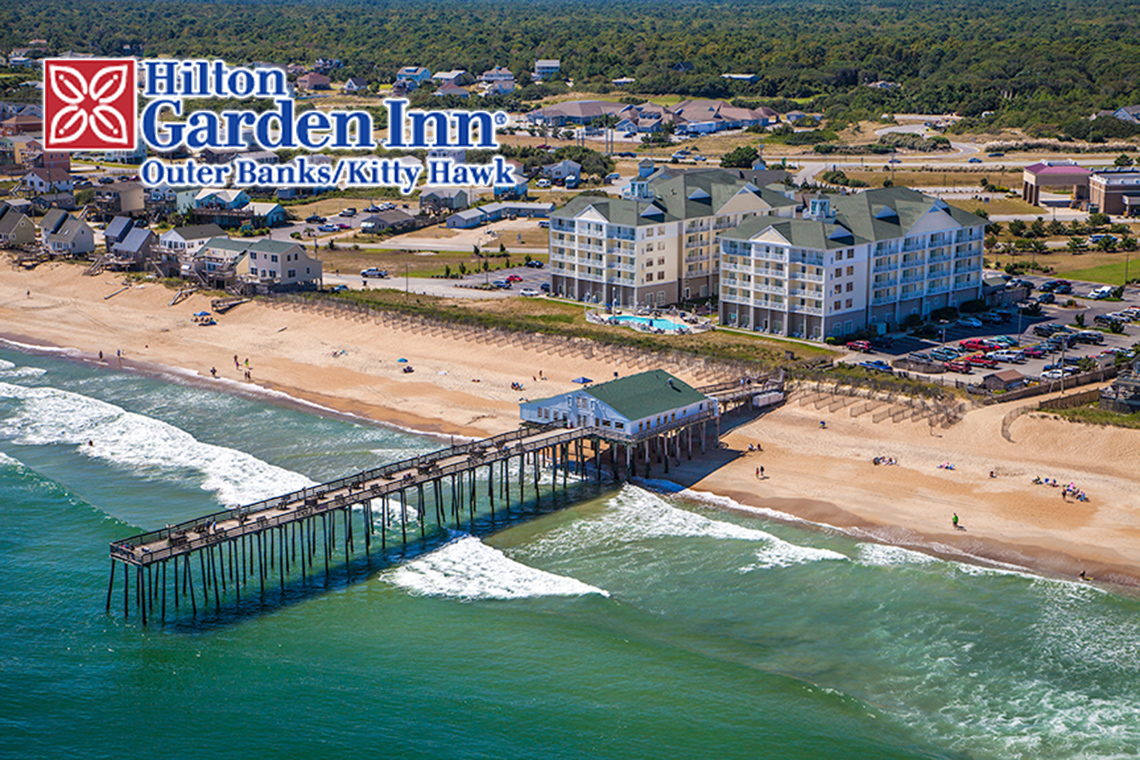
column 627, row 625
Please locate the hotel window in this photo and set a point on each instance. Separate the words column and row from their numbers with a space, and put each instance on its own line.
column 252, row 256
column 850, row 271
column 273, row 258
column 835, row 305
column 838, row 288
column 848, row 303
column 839, row 272
column 850, row 286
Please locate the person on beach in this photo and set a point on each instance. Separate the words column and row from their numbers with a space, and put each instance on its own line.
column 236, row 364
column 214, row 372
column 100, row 356
column 954, row 520
column 823, row 424
column 757, row 473
column 761, row 472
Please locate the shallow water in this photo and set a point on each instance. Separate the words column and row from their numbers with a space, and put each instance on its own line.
column 627, row 625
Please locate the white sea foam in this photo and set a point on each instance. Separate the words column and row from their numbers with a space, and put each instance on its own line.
column 469, row 569
column 143, row 444
column 9, row 462
column 5, row 364
column 885, row 554
column 18, row 373
column 635, row 514
column 40, row 349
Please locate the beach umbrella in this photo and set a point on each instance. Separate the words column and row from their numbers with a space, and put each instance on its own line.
column 582, row 380
column 402, row 361
column 201, row 314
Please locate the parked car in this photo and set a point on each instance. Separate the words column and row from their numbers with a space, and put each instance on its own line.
column 979, row 344
column 1047, row 329
column 921, row 357
column 1014, row 357
column 1046, row 298
column 544, row 287
column 1035, row 352
column 535, row 264
column 338, row 288
column 978, row 360
column 974, row 160
column 860, row 345
column 373, row 272
column 991, row 318
column 960, row 367
column 503, row 284
column 315, row 219
column 1063, row 289
column 1090, row 336
column 372, row 209
column 1100, row 293
column 969, row 322
column 543, row 183
column 530, row 292
column 1006, row 340
column 328, row 228
column 877, row 365
column 514, row 278
column 348, row 212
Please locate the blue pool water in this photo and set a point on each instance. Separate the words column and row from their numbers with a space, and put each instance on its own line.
column 660, row 324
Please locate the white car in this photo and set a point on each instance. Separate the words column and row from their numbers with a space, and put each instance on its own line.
column 1015, row 357
column 969, row 322
column 1102, row 292
column 530, row 292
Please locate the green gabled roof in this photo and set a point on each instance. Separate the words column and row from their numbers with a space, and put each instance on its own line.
column 803, row 233
column 645, row 394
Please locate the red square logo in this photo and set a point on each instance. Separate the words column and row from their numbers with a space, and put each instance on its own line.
column 89, row 104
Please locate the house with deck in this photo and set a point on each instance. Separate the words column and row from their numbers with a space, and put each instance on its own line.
column 64, row 235
column 229, row 208
column 15, row 227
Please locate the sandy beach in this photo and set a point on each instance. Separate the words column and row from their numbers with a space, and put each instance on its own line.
column 464, row 388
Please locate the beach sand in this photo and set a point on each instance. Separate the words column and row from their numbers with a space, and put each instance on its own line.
column 825, row 476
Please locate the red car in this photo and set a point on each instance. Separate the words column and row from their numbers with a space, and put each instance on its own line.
column 961, row 367
column 860, row 345
column 514, row 278
column 977, row 344
column 982, row 361
column 1035, row 352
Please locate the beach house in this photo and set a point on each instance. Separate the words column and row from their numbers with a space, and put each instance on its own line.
column 183, row 242
column 64, row 235
column 253, row 266
column 637, row 406
column 230, row 207
column 15, row 227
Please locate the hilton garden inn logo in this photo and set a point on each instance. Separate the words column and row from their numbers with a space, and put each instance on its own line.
column 92, row 104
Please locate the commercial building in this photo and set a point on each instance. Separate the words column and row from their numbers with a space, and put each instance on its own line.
column 657, row 244
column 636, row 406
column 867, row 260
column 1115, row 191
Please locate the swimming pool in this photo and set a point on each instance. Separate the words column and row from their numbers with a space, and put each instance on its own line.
column 656, row 323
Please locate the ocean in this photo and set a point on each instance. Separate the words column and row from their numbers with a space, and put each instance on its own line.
column 627, row 623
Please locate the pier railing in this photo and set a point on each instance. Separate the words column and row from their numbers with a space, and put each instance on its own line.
column 120, row 548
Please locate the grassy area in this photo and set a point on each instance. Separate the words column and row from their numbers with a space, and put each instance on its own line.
column 568, row 320
column 911, row 178
column 999, row 206
column 1094, row 415
column 344, row 259
column 1112, row 273
column 1093, row 266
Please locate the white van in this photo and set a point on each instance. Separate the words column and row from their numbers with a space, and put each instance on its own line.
column 542, row 183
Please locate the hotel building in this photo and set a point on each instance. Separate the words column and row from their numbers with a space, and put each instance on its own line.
column 865, row 260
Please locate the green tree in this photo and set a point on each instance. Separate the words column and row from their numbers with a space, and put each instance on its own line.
column 1124, row 160
column 741, row 157
column 1077, row 245
column 1106, row 244
column 1017, row 228
column 1079, row 319
column 1099, row 220
column 1128, row 243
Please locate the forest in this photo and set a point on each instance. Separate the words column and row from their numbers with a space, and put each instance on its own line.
column 1039, row 64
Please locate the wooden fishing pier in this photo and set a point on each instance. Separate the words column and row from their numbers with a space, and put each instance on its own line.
column 288, row 539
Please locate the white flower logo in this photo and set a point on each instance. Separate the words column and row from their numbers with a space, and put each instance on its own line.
column 88, row 104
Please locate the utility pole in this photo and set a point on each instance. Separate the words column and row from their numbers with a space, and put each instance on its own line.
column 407, row 283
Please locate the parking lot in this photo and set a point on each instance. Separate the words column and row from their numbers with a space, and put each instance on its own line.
column 1061, row 355
column 470, row 286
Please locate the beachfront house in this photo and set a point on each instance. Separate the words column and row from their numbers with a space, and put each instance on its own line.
column 637, row 406
column 64, row 235
column 417, row 74
column 15, row 227
column 135, row 251
column 253, row 266
column 546, row 68
column 184, row 242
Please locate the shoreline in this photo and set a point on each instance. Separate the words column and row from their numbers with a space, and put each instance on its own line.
column 807, row 513
column 461, row 389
